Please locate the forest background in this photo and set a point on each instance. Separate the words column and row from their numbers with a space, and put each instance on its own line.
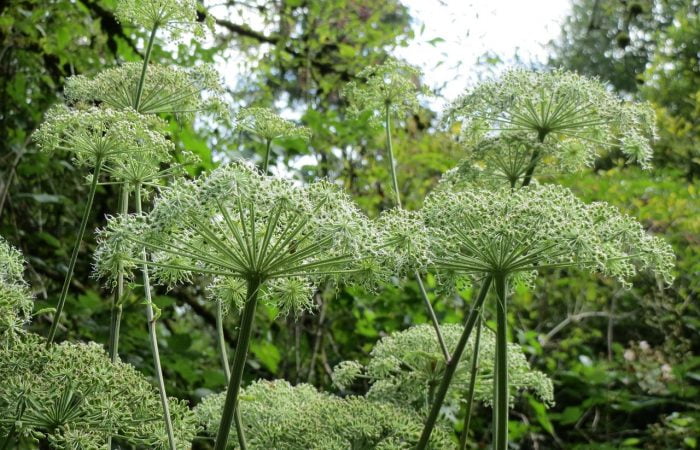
column 625, row 363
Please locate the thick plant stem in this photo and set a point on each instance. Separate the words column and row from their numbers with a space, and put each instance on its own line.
column 74, row 255
column 472, row 384
column 227, row 370
column 451, row 365
column 244, row 333
column 424, row 294
column 533, row 160
column 153, row 337
column 116, row 318
column 500, row 391
column 266, row 162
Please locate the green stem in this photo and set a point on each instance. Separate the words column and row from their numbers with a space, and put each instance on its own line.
column 267, row 156
column 451, row 365
column 533, row 160
column 153, row 337
column 390, row 150
column 433, row 317
column 227, row 371
column 472, row 384
column 74, row 255
column 424, row 294
column 116, row 319
column 244, row 333
column 500, row 391
column 146, row 58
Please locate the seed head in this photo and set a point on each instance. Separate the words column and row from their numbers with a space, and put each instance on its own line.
column 576, row 115
column 176, row 16
column 166, row 89
column 392, row 84
column 264, row 123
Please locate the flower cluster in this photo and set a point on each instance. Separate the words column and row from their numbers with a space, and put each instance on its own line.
column 100, row 134
column 165, row 89
column 406, row 366
column 479, row 231
column 73, row 395
column 276, row 414
column 16, row 303
column 391, row 85
column 264, row 123
column 236, row 223
column 176, row 16
column 577, row 114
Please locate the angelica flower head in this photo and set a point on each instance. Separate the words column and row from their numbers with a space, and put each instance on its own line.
column 16, row 302
column 404, row 366
column 237, row 223
column 73, row 392
column 176, row 16
column 276, row 414
column 482, row 231
column 166, row 89
column 576, row 113
column 264, row 123
column 94, row 134
column 392, row 85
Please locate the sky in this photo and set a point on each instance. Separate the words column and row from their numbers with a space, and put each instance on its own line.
column 469, row 29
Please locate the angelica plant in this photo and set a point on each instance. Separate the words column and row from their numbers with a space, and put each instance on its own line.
column 382, row 92
column 573, row 115
column 279, row 415
column 506, row 236
column 95, row 136
column 405, row 368
column 267, row 125
column 240, row 224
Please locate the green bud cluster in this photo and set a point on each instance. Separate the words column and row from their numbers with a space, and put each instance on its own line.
column 276, row 414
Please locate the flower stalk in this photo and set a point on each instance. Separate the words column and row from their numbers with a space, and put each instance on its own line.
column 452, row 363
column 397, row 196
column 500, row 391
column 153, row 337
column 469, row 406
column 242, row 344
column 118, row 298
column 74, row 255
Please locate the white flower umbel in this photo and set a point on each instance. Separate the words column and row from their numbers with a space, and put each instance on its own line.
column 391, row 86
column 576, row 115
column 277, row 415
column 16, row 302
column 405, row 368
column 268, row 126
column 164, row 89
column 71, row 394
column 505, row 234
column 238, row 223
column 177, row 17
